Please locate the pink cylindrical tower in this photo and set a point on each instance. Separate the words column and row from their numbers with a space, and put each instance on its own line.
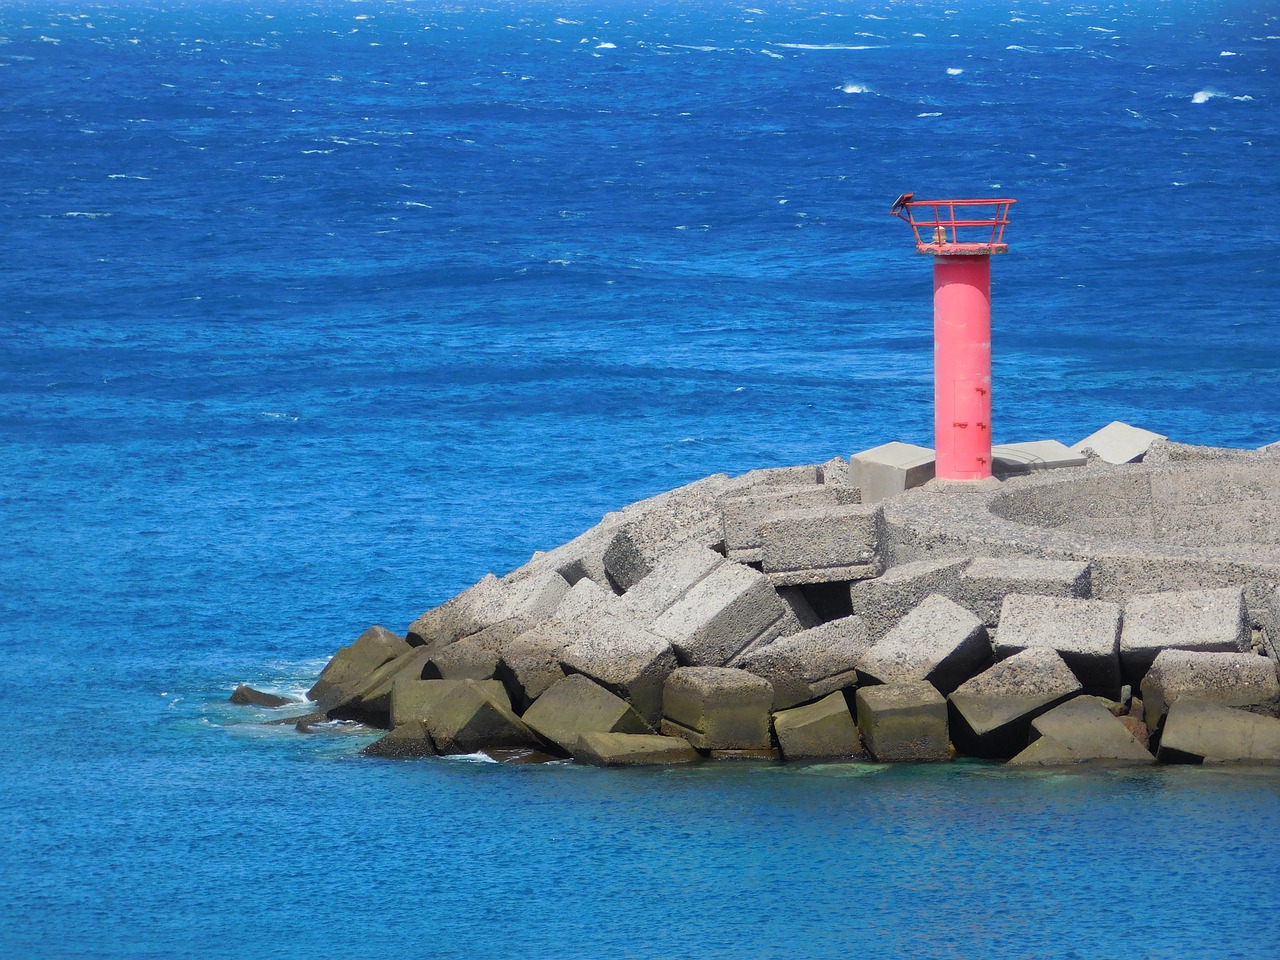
column 961, row 248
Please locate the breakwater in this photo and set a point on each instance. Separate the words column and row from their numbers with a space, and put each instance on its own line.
column 1117, row 603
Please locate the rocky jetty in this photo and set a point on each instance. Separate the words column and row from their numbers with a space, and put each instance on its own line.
column 1115, row 602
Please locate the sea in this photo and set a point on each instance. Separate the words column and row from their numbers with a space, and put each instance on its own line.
column 313, row 312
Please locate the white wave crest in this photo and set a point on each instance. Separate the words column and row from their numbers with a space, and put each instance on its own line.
column 1228, row 53
column 954, row 71
column 770, row 53
column 855, row 88
column 825, row 46
column 606, row 46
column 928, row 114
column 1204, row 96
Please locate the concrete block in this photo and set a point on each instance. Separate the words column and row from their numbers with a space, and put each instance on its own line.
column 407, row 741
column 463, row 660
column 1118, row 443
column 721, row 615
column 582, row 558
column 1208, row 621
column 809, row 664
column 577, row 705
column 991, row 714
column 1018, row 459
column 1080, row 731
column 655, row 526
column 527, row 594
column 763, row 478
column 673, row 576
column 626, row 658
column 800, row 607
column 1270, row 618
column 938, row 641
column 370, row 701
column 836, row 472
column 904, row 722
column 1085, row 633
column 471, row 717
column 629, row 749
column 353, row 663
column 819, row 730
column 743, row 514
column 717, row 708
column 822, row 546
column 1243, row 680
column 891, row 468
column 988, row 580
column 413, row 698
column 1196, row 731
column 772, row 755
column 884, row 600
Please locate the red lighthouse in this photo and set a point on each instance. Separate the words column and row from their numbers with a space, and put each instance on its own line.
column 961, row 235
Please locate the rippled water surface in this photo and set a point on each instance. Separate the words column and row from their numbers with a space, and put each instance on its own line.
column 314, row 313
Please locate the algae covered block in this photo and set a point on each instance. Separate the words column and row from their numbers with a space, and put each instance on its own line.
column 1197, row 731
column 629, row 750
column 904, row 722
column 354, row 663
column 818, row 730
column 717, row 708
column 471, row 717
column 576, row 705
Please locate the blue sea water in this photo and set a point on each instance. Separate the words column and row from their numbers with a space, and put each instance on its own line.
column 314, row 312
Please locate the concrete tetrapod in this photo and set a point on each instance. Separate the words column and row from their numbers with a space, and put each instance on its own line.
column 577, row 705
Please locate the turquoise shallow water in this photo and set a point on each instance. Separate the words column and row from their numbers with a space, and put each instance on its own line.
column 314, row 313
